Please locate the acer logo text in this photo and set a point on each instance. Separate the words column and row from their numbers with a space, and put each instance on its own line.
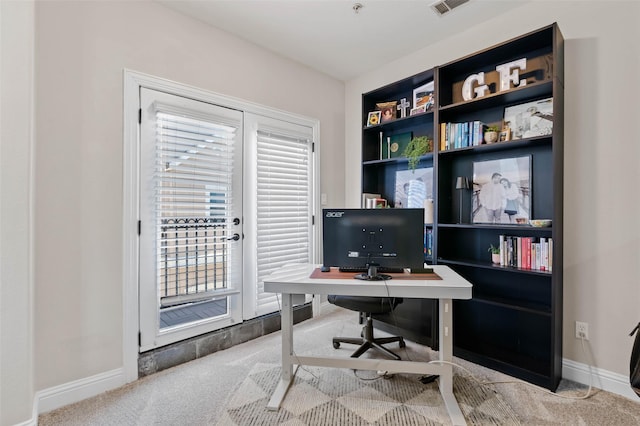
column 334, row 214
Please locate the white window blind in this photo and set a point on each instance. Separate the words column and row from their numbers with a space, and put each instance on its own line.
column 193, row 200
column 284, row 206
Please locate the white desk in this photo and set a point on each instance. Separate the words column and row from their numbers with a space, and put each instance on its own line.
column 295, row 279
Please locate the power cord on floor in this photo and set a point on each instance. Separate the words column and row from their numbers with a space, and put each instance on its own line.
column 380, row 375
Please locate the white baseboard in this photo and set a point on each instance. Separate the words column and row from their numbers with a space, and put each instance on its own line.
column 69, row 393
column 602, row 379
column 33, row 421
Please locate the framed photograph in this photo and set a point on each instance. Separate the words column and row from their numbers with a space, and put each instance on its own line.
column 388, row 111
column 373, row 119
column 413, row 187
column 502, row 191
column 504, row 135
column 423, row 95
column 418, row 110
column 530, row 119
column 380, row 203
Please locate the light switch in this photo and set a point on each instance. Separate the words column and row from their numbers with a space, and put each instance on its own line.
column 323, row 199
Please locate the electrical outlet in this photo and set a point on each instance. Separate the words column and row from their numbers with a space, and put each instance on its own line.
column 582, row 330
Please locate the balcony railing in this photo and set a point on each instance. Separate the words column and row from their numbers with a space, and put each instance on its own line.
column 193, row 257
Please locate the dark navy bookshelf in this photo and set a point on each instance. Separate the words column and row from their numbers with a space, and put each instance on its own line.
column 513, row 323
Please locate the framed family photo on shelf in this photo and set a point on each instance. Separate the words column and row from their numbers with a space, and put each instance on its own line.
column 387, row 110
column 502, row 191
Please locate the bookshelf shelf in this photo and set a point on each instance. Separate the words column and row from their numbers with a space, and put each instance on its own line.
column 399, row 160
column 492, row 266
column 513, row 96
column 504, row 228
column 539, row 141
column 509, row 304
column 399, row 123
column 514, row 322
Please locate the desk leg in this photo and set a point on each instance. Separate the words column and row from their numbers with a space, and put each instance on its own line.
column 287, row 353
column 446, row 354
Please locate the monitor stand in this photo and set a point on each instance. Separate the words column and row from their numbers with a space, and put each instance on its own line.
column 372, row 274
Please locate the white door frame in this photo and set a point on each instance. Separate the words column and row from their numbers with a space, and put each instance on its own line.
column 131, row 156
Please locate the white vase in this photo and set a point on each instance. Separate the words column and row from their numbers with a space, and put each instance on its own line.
column 490, row 137
column 495, row 258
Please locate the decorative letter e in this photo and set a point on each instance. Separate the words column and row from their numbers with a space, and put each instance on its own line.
column 506, row 77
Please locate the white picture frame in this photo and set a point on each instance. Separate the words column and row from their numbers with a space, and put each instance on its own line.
column 424, row 95
column 373, row 119
column 530, row 119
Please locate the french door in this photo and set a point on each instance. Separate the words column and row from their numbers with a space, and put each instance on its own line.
column 191, row 227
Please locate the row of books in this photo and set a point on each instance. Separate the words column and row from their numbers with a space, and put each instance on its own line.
column 526, row 252
column 461, row 135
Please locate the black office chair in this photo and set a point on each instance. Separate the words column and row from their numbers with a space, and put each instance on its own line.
column 369, row 306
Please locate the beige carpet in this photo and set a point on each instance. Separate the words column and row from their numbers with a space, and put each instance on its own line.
column 232, row 387
column 326, row 397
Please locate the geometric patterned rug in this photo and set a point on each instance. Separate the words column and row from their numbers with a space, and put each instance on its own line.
column 337, row 397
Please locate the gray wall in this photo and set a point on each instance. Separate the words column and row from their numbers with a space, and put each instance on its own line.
column 16, row 207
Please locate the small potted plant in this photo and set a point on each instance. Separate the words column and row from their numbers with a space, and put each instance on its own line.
column 418, row 146
column 495, row 254
column 491, row 134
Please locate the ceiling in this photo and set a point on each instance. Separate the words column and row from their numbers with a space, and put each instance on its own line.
column 331, row 37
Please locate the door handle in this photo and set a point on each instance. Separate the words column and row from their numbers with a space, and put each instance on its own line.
column 234, row 237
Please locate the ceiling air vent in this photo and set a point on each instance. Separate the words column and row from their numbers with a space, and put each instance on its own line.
column 446, row 6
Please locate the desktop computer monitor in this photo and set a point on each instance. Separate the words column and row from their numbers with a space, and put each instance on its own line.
column 373, row 240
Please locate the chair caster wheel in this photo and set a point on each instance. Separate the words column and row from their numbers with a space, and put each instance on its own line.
column 402, row 343
column 336, row 345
